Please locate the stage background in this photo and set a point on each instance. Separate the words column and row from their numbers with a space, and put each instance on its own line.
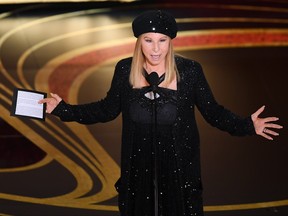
column 56, row 168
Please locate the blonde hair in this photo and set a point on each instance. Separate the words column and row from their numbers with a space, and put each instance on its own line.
column 136, row 73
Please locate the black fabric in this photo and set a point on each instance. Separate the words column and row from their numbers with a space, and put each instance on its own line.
column 148, row 79
column 141, row 108
column 157, row 21
column 180, row 165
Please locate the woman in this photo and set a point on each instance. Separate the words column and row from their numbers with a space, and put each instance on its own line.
column 160, row 161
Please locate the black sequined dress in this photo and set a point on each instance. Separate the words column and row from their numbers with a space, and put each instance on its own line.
column 177, row 144
column 144, row 152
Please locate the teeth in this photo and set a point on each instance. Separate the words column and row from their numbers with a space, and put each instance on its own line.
column 155, row 57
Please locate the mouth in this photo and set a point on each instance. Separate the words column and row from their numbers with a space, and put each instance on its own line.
column 155, row 57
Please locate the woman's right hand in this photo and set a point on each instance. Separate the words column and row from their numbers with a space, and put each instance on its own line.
column 51, row 102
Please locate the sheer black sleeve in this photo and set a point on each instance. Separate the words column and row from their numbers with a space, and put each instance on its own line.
column 215, row 114
column 104, row 110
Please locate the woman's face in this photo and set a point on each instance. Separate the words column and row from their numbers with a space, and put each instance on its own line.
column 155, row 47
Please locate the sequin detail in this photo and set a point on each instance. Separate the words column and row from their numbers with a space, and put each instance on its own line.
column 180, row 178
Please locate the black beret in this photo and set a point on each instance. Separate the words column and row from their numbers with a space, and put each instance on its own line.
column 156, row 21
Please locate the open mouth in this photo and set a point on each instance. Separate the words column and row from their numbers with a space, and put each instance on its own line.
column 155, row 57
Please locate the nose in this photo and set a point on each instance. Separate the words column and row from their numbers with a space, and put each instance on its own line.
column 156, row 47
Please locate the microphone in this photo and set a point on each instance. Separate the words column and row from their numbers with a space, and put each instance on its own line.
column 153, row 80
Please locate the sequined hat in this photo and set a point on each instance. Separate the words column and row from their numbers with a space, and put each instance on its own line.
column 156, row 21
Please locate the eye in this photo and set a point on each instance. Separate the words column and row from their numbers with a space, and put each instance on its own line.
column 148, row 40
column 163, row 39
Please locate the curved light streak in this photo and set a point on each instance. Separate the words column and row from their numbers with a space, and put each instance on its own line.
column 75, row 203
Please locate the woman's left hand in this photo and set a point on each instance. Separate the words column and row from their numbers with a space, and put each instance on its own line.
column 264, row 126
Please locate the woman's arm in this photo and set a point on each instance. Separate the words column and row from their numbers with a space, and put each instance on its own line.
column 104, row 110
column 220, row 117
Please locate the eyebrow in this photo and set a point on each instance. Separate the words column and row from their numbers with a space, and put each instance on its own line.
column 164, row 37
